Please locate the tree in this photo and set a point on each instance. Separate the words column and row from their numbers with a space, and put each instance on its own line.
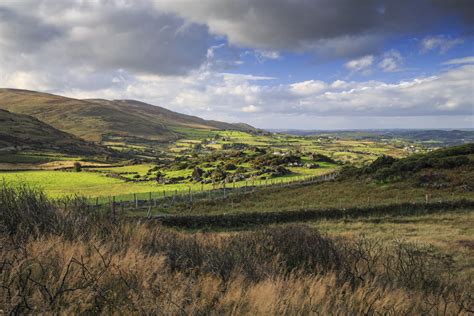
column 160, row 178
column 197, row 174
column 77, row 166
column 218, row 174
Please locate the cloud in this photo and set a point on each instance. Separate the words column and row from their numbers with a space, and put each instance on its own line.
column 460, row 61
column 235, row 97
column 439, row 43
column 251, row 109
column 263, row 55
column 360, row 64
column 391, row 61
column 102, row 35
column 308, row 87
column 321, row 26
column 180, row 54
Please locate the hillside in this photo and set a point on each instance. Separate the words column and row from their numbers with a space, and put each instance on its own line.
column 18, row 131
column 441, row 175
column 99, row 120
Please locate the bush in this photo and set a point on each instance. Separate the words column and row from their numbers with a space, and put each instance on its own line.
column 321, row 158
column 77, row 167
column 24, row 209
column 197, row 174
column 218, row 174
column 230, row 166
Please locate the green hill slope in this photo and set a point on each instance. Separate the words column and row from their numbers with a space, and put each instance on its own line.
column 98, row 120
column 18, row 131
column 442, row 175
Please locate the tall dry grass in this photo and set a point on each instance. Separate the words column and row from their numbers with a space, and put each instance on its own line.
column 105, row 265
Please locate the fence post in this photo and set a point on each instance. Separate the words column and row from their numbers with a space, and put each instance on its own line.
column 190, row 195
column 223, row 185
column 113, row 206
column 136, row 200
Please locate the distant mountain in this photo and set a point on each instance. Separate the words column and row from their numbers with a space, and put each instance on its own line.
column 428, row 137
column 19, row 131
column 99, row 120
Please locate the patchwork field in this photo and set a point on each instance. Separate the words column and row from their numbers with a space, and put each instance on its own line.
column 233, row 156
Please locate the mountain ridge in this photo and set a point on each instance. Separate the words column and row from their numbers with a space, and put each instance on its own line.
column 20, row 132
column 98, row 119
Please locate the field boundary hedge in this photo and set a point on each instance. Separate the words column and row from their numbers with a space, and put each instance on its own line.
column 265, row 218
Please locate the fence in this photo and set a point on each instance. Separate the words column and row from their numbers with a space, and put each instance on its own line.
column 222, row 191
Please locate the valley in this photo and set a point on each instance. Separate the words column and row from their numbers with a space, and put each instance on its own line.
column 236, row 204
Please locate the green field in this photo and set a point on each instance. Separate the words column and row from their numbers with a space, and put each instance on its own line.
column 208, row 150
column 62, row 183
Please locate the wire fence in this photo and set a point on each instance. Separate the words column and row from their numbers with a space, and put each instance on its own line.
column 166, row 199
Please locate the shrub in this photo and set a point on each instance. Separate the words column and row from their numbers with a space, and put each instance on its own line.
column 197, row 174
column 230, row 166
column 218, row 174
column 24, row 209
column 77, row 167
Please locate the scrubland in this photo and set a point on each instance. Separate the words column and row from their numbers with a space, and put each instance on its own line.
column 84, row 261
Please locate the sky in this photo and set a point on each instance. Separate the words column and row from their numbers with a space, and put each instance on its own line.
column 281, row 64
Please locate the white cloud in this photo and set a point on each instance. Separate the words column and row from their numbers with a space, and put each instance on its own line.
column 233, row 96
column 439, row 43
column 251, row 109
column 308, row 87
column 360, row 64
column 391, row 61
column 460, row 61
column 267, row 54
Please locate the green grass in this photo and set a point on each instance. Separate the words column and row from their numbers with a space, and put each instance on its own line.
column 141, row 169
column 91, row 184
column 194, row 133
column 339, row 194
column 61, row 183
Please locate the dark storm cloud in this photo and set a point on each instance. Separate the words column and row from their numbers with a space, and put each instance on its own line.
column 24, row 33
column 324, row 26
column 103, row 35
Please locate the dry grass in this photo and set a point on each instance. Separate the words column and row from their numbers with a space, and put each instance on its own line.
column 52, row 275
column 78, row 262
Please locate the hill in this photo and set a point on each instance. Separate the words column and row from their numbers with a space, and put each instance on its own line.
column 18, row 131
column 431, row 138
column 101, row 120
column 441, row 175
